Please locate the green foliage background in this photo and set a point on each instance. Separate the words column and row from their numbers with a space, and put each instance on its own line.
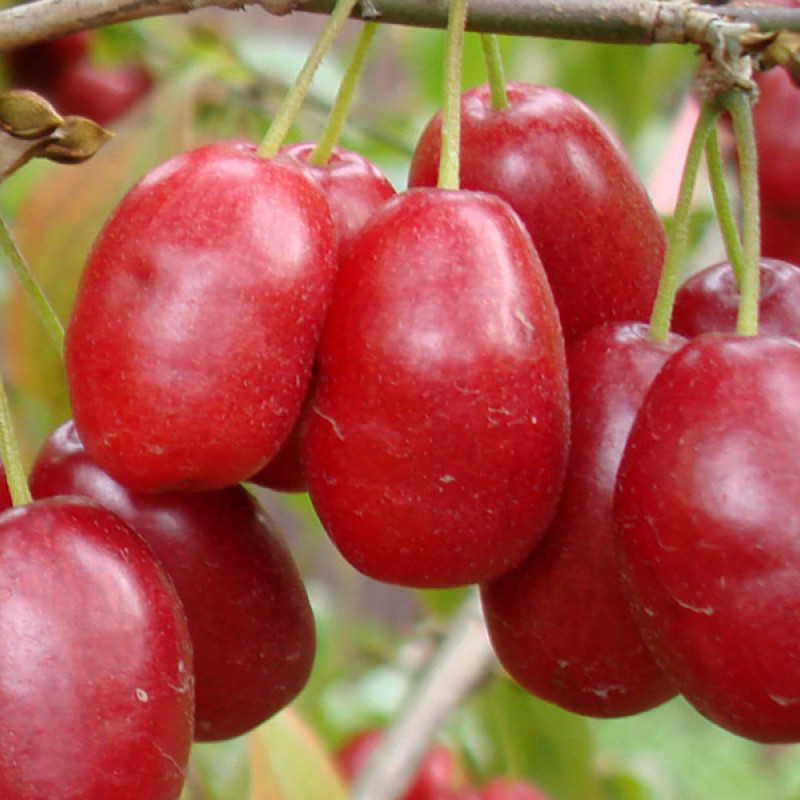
column 222, row 75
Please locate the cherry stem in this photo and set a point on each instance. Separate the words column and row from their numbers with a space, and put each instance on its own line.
column 679, row 228
column 329, row 137
column 722, row 206
column 450, row 158
column 495, row 71
column 740, row 105
column 279, row 129
column 9, row 450
column 52, row 324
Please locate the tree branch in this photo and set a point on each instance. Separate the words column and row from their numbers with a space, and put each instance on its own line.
column 618, row 21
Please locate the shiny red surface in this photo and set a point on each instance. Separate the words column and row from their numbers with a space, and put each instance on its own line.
column 437, row 436
column 250, row 622
column 706, row 508
column 95, row 660
column 560, row 622
column 191, row 340
column 709, row 301
column 559, row 167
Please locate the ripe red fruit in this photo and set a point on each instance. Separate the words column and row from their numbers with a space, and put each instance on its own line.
column 596, row 231
column 436, row 442
column 503, row 788
column 779, row 234
column 95, row 660
column 100, row 93
column 355, row 189
column 437, row 777
column 706, row 506
column 38, row 66
column 709, row 301
column 560, row 622
column 189, row 349
column 250, row 622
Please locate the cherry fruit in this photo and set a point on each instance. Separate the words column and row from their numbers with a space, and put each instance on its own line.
column 95, row 660
column 558, row 166
column 709, row 301
column 437, row 433
column 560, row 622
column 249, row 618
column 190, row 344
column 503, row 788
column 707, row 507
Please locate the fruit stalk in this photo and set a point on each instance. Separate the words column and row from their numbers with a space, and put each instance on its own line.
column 451, row 109
column 722, row 206
column 739, row 104
column 329, row 137
column 9, row 450
column 679, row 228
column 17, row 262
column 495, row 71
column 276, row 134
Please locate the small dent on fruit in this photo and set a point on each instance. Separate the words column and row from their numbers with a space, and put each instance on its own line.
column 707, row 610
column 783, row 701
column 141, row 695
column 447, row 478
column 534, row 420
column 336, row 429
column 525, row 322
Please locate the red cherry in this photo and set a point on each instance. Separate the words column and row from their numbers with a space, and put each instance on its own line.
column 503, row 788
column 39, row 65
column 190, row 344
column 436, row 442
column 250, row 622
column 102, row 94
column 709, row 300
column 707, row 508
column 598, row 235
column 560, row 622
column 780, row 234
column 436, row 778
column 355, row 189
column 95, row 660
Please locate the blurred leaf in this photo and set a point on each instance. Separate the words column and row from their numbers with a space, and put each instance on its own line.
column 621, row 786
column 218, row 771
column 527, row 737
column 289, row 762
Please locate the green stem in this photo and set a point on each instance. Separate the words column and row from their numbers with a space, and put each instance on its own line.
column 495, row 71
column 10, row 251
column 329, row 137
column 9, row 450
column 722, row 206
column 450, row 158
column 739, row 104
column 278, row 130
column 679, row 229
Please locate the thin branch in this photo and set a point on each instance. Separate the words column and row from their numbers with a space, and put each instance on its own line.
column 640, row 22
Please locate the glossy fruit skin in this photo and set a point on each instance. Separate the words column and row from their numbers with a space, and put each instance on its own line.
column 355, row 189
column 436, row 443
column 95, row 660
column 249, row 618
column 102, row 94
column 560, row 621
column 599, row 237
column 190, row 344
column 706, row 509
column 779, row 234
column 437, row 777
column 709, row 300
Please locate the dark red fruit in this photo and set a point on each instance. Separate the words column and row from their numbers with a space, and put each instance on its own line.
column 707, row 508
column 250, row 622
column 355, row 189
column 560, row 622
column 190, row 344
column 100, row 93
column 437, row 436
column 95, row 660
column 39, row 65
column 598, row 235
column 780, row 234
column 709, row 301
column 437, row 778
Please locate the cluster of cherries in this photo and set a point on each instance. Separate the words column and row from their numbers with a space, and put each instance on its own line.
column 62, row 71
column 462, row 381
